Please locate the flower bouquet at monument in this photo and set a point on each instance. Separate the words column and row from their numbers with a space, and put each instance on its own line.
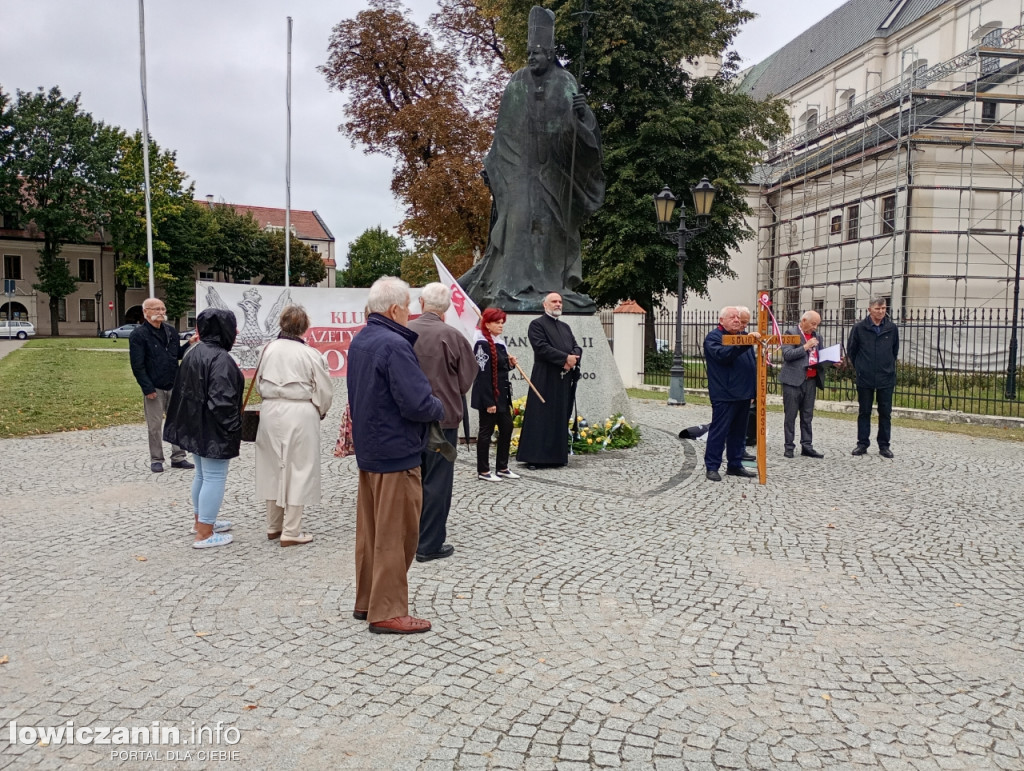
column 615, row 433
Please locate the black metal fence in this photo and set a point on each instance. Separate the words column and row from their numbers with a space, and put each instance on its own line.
column 948, row 360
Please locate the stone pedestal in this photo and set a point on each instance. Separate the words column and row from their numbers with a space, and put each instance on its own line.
column 600, row 393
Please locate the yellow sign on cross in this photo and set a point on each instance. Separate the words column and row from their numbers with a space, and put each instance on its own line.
column 763, row 341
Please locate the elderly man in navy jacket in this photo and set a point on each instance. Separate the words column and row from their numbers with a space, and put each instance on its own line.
column 392, row 408
column 732, row 381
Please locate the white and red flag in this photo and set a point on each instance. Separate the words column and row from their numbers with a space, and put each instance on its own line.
column 462, row 308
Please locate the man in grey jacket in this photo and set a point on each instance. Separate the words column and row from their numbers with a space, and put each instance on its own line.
column 801, row 377
column 446, row 358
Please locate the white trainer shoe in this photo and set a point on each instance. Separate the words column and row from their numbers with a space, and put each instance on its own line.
column 509, row 474
column 220, row 526
column 490, row 476
column 217, row 539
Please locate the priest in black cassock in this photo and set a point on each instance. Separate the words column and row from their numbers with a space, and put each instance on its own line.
column 544, row 440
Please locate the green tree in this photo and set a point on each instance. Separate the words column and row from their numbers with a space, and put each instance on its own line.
column 305, row 268
column 188, row 234
column 64, row 161
column 10, row 188
column 237, row 245
column 373, row 254
column 126, row 204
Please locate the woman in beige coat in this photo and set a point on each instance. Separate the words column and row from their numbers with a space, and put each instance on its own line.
column 297, row 393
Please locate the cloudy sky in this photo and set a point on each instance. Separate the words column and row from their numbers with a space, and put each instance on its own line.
column 216, row 73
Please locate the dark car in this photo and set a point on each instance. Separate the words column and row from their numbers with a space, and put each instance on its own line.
column 122, row 331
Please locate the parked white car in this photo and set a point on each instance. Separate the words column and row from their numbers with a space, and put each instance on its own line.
column 18, row 329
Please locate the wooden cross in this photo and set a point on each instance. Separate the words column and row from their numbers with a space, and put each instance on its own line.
column 763, row 304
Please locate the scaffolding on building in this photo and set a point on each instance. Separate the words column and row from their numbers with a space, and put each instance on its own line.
column 913, row 194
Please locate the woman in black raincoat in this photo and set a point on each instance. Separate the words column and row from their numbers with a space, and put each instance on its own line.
column 205, row 417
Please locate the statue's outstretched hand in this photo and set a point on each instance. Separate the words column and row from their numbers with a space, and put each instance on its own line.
column 579, row 105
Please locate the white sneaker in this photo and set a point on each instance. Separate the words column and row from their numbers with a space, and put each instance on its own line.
column 509, row 474
column 220, row 526
column 490, row 476
column 217, row 539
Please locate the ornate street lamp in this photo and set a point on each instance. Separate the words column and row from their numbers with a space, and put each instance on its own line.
column 664, row 204
column 99, row 313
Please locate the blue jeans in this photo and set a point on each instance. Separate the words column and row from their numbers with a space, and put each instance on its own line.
column 208, row 487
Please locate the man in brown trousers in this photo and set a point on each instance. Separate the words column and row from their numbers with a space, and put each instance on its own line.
column 392, row 408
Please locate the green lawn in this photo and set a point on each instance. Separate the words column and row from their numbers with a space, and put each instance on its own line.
column 964, row 429
column 66, row 384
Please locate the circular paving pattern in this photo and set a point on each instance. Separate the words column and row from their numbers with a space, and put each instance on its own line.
column 622, row 612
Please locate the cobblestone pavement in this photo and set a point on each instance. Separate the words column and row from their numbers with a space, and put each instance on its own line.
column 623, row 612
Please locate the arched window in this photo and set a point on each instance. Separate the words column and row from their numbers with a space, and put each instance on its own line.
column 13, row 311
column 809, row 120
column 917, row 68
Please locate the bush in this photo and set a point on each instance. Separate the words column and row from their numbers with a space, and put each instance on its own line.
column 657, row 361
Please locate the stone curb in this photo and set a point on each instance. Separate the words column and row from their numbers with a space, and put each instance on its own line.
column 851, row 408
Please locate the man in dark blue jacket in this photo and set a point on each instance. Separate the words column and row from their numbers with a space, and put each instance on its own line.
column 392, row 408
column 872, row 348
column 154, row 351
column 732, row 381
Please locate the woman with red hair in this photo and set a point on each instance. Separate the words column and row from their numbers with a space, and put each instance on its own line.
column 492, row 395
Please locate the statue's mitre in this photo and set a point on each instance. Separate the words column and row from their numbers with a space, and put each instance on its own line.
column 542, row 28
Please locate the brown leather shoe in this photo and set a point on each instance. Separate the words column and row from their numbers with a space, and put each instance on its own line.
column 273, row 536
column 400, row 625
column 297, row 541
column 359, row 615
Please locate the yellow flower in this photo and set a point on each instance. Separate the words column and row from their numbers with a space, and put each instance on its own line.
column 590, row 441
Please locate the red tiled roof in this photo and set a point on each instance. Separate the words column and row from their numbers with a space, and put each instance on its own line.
column 307, row 224
column 629, row 306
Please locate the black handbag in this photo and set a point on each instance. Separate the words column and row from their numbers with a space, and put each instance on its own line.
column 251, row 417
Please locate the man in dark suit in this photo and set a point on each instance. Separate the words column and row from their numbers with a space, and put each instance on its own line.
column 544, row 439
column 732, row 382
column 801, row 377
column 872, row 348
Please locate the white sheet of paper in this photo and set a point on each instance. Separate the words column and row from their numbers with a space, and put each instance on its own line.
column 832, row 353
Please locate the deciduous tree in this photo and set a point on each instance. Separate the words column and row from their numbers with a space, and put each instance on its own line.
column 10, row 188
column 64, row 160
column 409, row 100
column 305, row 268
column 237, row 246
column 373, row 254
column 126, row 204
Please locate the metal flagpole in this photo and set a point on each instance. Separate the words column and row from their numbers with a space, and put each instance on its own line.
column 145, row 146
column 586, row 13
column 288, row 166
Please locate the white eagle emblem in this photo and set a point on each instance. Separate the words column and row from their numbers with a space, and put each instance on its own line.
column 251, row 337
